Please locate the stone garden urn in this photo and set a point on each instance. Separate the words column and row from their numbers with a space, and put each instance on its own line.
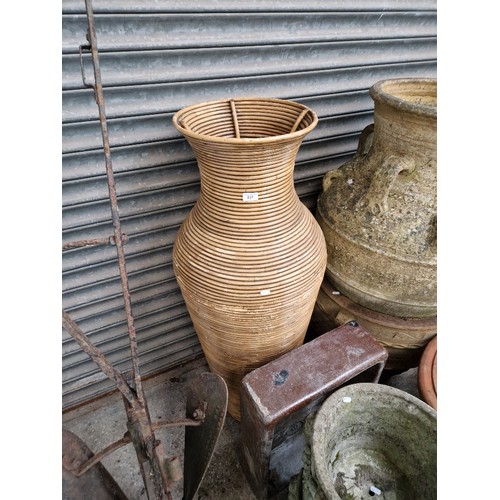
column 378, row 210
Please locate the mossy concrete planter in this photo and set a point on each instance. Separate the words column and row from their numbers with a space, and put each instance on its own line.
column 378, row 211
column 371, row 435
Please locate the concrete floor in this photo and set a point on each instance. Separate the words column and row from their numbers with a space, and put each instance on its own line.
column 104, row 421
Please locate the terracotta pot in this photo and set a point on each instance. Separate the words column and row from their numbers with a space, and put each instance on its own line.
column 250, row 257
column 404, row 338
column 427, row 374
column 378, row 211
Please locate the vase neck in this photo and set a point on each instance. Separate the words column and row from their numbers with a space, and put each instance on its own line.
column 402, row 130
column 248, row 181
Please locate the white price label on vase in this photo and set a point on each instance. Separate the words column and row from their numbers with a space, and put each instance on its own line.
column 250, row 197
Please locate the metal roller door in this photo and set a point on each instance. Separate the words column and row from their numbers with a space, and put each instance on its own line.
column 157, row 57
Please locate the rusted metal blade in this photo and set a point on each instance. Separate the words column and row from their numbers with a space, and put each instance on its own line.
column 200, row 441
column 96, row 483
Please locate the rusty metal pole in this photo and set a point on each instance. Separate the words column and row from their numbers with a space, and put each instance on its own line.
column 118, row 234
column 149, row 450
column 158, row 472
column 72, row 328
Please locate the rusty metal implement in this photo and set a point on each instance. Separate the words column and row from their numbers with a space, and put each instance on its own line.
column 200, row 441
column 206, row 407
column 96, row 483
column 83, row 474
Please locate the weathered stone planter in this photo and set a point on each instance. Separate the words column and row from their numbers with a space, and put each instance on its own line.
column 378, row 211
column 370, row 436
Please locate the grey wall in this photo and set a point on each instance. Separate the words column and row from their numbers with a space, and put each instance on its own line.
column 159, row 56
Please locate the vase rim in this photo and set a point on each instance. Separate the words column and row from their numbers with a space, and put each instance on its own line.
column 245, row 140
column 394, row 92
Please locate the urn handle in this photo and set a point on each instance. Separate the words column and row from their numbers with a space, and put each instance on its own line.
column 364, row 145
column 328, row 178
column 375, row 198
column 365, row 140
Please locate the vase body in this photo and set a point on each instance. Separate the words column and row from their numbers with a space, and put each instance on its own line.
column 378, row 211
column 249, row 257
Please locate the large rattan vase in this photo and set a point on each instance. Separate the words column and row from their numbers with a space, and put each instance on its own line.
column 250, row 257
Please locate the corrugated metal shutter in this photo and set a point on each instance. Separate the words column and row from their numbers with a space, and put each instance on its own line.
column 159, row 56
